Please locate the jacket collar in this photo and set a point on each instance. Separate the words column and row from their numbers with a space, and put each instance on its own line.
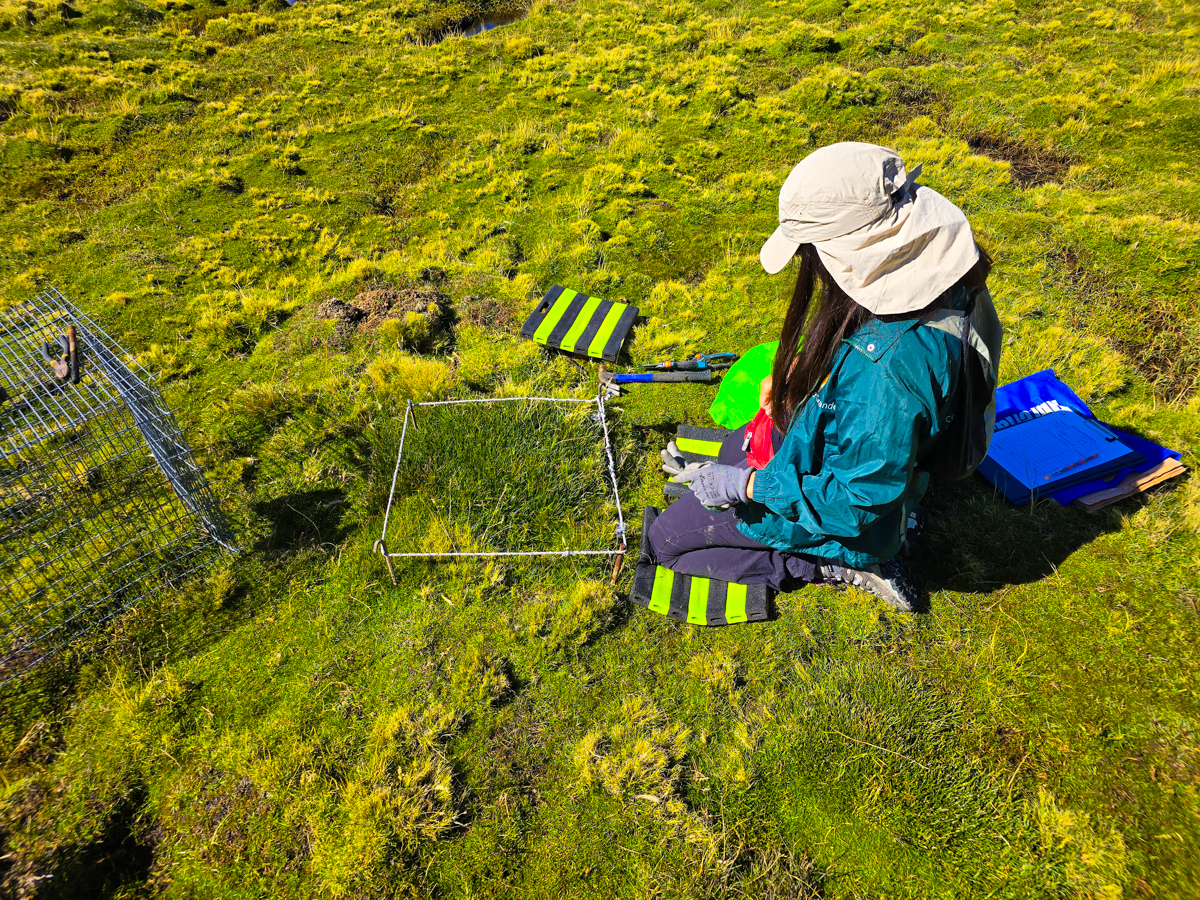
column 876, row 337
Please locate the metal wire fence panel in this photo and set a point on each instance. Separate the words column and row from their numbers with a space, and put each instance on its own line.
column 101, row 500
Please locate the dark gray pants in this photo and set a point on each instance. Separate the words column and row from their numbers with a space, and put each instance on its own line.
column 691, row 539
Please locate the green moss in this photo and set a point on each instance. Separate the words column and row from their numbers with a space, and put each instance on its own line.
column 208, row 178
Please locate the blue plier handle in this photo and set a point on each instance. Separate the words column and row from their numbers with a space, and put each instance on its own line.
column 697, row 363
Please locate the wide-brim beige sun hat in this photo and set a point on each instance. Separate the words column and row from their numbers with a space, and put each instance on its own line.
column 891, row 244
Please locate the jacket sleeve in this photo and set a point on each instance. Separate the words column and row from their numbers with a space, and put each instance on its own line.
column 864, row 475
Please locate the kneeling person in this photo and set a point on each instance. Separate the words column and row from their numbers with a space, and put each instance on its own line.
column 860, row 394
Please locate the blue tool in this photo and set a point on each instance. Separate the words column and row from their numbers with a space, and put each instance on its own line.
column 697, row 363
column 640, row 378
column 705, row 377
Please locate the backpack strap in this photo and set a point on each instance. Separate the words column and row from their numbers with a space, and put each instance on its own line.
column 974, row 418
column 979, row 326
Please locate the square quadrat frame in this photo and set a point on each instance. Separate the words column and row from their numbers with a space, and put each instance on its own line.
column 409, row 415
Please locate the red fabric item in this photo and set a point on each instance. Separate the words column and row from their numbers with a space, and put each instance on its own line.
column 759, row 449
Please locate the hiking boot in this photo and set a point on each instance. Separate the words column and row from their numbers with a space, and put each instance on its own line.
column 643, row 576
column 890, row 581
column 649, row 514
column 914, row 532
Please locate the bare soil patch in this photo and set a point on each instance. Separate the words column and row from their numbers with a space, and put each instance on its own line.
column 373, row 306
column 1031, row 165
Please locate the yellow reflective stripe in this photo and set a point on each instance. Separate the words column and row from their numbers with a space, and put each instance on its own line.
column 556, row 312
column 660, row 596
column 698, row 601
column 701, row 448
column 735, row 603
column 581, row 323
column 606, row 329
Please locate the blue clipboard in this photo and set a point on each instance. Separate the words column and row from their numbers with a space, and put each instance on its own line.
column 1053, row 452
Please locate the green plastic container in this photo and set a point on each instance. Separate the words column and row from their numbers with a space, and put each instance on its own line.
column 737, row 400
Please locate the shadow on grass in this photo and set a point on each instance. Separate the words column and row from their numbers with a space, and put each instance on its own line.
column 119, row 859
column 115, row 863
column 303, row 520
column 978, row 542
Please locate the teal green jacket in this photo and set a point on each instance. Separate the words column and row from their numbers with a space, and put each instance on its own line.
column 846, row 477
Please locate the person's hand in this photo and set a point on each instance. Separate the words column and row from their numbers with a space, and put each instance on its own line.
column 675, row 465
column 717, row 486
column 764, row 394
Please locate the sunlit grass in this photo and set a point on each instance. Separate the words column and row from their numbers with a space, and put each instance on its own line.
column 206, row 179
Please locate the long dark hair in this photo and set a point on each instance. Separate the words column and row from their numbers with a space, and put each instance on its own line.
column 799, row 370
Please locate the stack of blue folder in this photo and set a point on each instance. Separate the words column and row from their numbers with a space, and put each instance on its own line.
column 1048, row 443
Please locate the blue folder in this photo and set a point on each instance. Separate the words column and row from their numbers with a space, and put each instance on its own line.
column 1044, row 392
column 1052, row 452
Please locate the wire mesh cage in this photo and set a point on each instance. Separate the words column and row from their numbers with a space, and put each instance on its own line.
column 101, row 500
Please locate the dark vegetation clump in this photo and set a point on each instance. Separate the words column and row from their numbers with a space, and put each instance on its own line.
column 217, row 815
column 1155, row 333
column 1031, row 165
column 484, row 312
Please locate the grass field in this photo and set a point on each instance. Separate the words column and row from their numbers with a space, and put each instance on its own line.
column 304, row 217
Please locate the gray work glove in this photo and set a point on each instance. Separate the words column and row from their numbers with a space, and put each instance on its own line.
column 717, row 486
column 675, row 465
